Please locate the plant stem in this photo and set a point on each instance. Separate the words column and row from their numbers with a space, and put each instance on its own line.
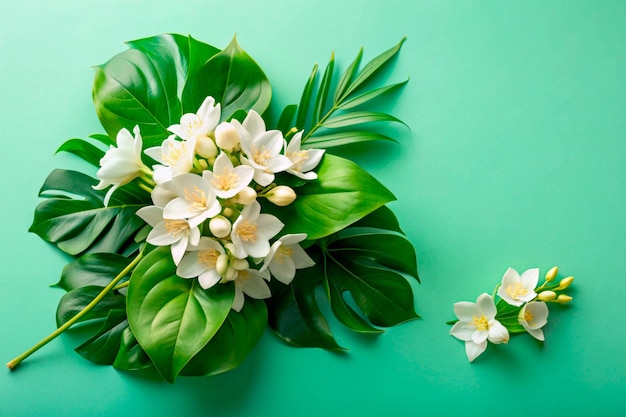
column 15, row 362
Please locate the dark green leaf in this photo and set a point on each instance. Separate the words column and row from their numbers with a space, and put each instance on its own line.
column 295, row 316
column 83, row 225
column 76, row 300
column 382, row 218
column 347, row 76
column 324, row 88
column 102, row 347
column 344, row 313
column 285, row 122
column 233, row 341
column 370, row 95
column 234, row 80
column 93, row 269
column 83, row 150
column 305, row 100
column 342, row 194
column 371, row 68
column 357, row 118
column 131, row 356
column 105, row 139
column 343, row 138
column 173, row 318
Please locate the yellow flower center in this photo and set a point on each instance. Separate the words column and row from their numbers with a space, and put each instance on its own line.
column 176, row 227
column 247, row 231
column 261, row 156
column 298, row 159
column 226, row 181
column 516, row 291
column 208, row 257
column 192, row 126
column 243, row 275
column 528, row 317
column 196, row 198
column 481, row 323
column 175, row 150
column 282, row 253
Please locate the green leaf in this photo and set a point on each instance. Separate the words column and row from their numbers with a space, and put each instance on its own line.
column 295, row 315
column 343, row 138
column 344, row 313
column 370, row 95
column 234, row 79
column 173, row 318
column 92, row 269
column 305, row 99
column 77, row 299
column 322, row 95
column 83, row 225
column 382, row 218
column 286, row 118
column 83, row 150
column 233, row 341
column 342, row 194
column 357, row 118
column 372, row 67
column 347, row 76
column 131, row 356
column 103, row 346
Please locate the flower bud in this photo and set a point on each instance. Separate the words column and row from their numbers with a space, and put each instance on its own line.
column 231, row 274
column 281, row 195
column 205, row 147
column 221, row 264
column 226, row 136
column 565, row 282
column 246, row 196
column 551, row 274
column 220, row 226
column 240, row 264
column 563, row 299
column 230, row 247
column 227, row 212
column 546, row 296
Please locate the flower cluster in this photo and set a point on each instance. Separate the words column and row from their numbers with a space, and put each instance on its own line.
column 521, row 308
column 204, row 191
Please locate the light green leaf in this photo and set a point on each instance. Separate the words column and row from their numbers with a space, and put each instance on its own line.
column 343, row 138
column 324, row 88
column 357, row 118
column 347, row 76
column 171, row 317
column 370, row 95
column 305, row 100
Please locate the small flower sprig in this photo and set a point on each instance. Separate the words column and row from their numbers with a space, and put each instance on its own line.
column 517, row 305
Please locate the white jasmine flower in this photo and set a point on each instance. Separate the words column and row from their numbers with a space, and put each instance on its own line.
column 477, row 324
column 200, row 124
column 227, row 180
column 261, row 148
column 533, row 316
column 303, row 160
column 175, row 155
column 177, row 233
column 196, row 200
column 252, row 283
column 252, row 231
column 286, row 256
column 200, row 261
column 122, row 164
column 516, row 289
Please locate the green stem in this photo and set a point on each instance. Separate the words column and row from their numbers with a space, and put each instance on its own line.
column 15, row 362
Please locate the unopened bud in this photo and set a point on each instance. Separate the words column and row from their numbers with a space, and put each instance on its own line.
column 221, row 264
column 281, row 195
column 230, row 247
column 227, row 212
column 546, row 296
column 246, row 196
column 240, row 264
column 565, row 282
column 226, row 136
column 219, row 226
column 205, row 147
column 563, row 299
column 551, row 274
column 231, row 274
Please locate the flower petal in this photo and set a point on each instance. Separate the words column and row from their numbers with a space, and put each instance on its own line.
column 474, row 350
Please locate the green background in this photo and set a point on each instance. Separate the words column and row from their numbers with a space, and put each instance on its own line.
column 516, row 157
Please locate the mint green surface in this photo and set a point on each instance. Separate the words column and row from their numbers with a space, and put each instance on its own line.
column 516, row 157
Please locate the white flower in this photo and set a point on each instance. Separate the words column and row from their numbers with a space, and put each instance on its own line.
column 252, row 283
column 303, row 160
column 121, row 165
column 261, row 148
column 177, row 157
column 177, row 233
column 226, row 136
column 517, row 290
column 286, row 256
column 200, row 261
column 227, row 180
column 252, row 231
column 200, row 124
column 196, row 200
column 533, row 316
column 477, row 324
column 281, row 195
